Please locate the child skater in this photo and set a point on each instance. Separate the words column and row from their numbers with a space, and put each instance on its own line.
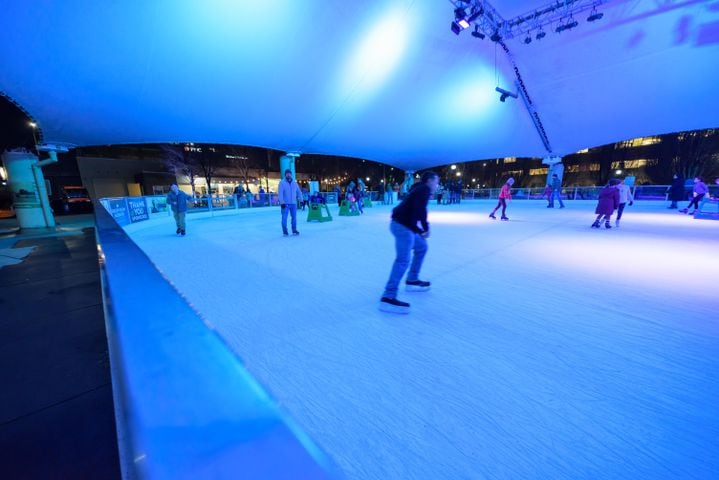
column 608, row 202
column 504, row 195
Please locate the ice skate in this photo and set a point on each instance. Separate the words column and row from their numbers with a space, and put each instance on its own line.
column 295, row 232
column 417, row 286
column 491, row 215
column 607, row 225
column 505, row 218
column 595, row 224
column 392, row 305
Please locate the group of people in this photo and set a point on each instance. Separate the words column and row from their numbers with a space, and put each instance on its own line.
column 411, row 230
column 614, row 196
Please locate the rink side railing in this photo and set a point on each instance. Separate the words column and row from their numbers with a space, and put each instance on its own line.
column 127, row 210
column 185, row 406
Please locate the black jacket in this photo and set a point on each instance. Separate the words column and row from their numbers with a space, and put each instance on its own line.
column 413, row 209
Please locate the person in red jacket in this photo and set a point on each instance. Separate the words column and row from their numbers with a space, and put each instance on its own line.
column 504, row 195
column 608, row 202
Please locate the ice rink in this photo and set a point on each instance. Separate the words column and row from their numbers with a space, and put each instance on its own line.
column 545, row 349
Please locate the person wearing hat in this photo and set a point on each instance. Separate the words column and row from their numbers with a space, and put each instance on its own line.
column 289, row 192
column 504, row 195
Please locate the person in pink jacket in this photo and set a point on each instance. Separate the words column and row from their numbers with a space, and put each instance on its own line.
column 504, row 195
column 608, row 202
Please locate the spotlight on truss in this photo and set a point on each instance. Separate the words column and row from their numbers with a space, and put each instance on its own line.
column 528, row 40
column 477, row 33
column 540, row 35
column 567, row 26
column 504, row 94
column 495, row 37
column 594, row 16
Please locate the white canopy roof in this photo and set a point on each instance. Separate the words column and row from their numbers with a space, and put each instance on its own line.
column 385, row 80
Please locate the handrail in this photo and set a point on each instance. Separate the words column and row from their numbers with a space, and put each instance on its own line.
column 185, row 405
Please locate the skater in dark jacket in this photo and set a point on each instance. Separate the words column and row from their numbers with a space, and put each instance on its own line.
column 504, row 195
column 676, row 190
column 608, row 202
column 411, row 230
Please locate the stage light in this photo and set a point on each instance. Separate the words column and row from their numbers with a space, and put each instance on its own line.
column 567, row 26
column 528, row 40
column 495, row 36
column 477, row 33
column 504, row 94
column 541, row 34
column 594, row 16
column 460, row 21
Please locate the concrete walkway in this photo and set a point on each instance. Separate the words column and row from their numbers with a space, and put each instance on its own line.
column 56, row 407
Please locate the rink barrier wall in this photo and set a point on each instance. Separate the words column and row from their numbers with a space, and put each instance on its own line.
column 132, row 210
column 185, row 406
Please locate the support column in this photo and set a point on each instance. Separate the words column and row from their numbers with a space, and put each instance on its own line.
column 27, row 184
column 287, row 161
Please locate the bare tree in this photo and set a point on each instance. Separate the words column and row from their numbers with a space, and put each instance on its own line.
column 207, row 164
column 181, row 160
column 241, row 160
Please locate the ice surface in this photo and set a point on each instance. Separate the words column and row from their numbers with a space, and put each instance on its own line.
column 545, row 349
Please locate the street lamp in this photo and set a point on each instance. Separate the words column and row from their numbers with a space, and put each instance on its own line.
column 459, row 174
column 453, row 167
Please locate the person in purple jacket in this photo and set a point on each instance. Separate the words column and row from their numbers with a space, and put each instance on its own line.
column 608, row 202
column 411, row 230
column 700, row 189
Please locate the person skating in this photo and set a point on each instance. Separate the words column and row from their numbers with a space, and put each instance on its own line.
column 177, row 199
column 700, row 190
column 504, row 195
column 288, row 193
column 675, row 192
column 409, row 237
column 556, row 192
column 608, row 202
column 625, row 195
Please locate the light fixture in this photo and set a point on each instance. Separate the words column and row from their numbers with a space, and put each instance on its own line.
column 460, row 21
column 540, row 35
column 528, row 40
column 32, row 124
column 618, row 172
column 459, row 174
column 477, row 33
column 495, row 36
column 594, row 15
column 571, row 23
column 504, row 94
column 367, row 179
column 453, row 167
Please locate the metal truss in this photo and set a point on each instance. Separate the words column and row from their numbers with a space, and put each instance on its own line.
column 556, row 16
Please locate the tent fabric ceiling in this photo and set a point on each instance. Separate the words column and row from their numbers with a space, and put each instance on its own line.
column 384, row 80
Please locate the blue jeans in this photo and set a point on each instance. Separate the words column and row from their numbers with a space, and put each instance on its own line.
column 558, row 195
column 292, row 209
column 405, row 240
